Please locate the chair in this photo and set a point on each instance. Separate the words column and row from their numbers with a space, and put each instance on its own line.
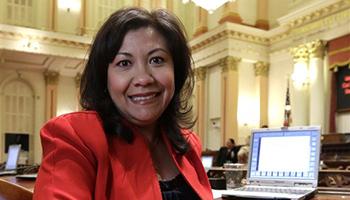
column 11, row 191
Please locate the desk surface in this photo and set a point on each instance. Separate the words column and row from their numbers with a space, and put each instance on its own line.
column 26, row 183
column 319, row 197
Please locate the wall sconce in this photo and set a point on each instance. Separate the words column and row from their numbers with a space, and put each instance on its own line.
column 69, row 5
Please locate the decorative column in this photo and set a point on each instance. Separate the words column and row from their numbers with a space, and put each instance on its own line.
column 137, row 3
column 51, row 80
column 262, row 21
column 170, row 5
column 230, row 13
column 77, row 80
column 82, row 21
column 201, row 21
column 229, row 98
column 261, row 70
column 200, row 98
column 316, row 83
column 53, row 15
column 300, row 89
column 156, row 4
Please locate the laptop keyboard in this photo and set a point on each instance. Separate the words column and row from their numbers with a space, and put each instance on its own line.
column 273, row 190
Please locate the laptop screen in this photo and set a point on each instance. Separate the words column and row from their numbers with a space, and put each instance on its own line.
column 207, row 161
column 285, row 154
column 12, row 157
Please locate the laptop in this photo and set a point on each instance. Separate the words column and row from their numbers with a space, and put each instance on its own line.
column 207, row 161
column 12, row 160
column 283, row 164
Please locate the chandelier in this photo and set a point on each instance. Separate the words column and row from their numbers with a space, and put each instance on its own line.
column 209, row 5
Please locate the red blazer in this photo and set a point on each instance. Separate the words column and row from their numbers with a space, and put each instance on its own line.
column 79, row 164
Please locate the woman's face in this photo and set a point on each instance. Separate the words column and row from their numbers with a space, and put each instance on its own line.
column 140, row 79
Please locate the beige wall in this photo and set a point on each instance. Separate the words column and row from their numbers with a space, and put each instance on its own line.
column 35, row 81
column 66, row 102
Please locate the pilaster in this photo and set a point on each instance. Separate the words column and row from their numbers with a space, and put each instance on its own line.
column 316, row 82
column 200, row 98
column 82, row 21
column 230, row 13
column 300, row 89
column 77, row 80
column 51, row 80
column 229, row 87
column 201, row 21
column 261, row 70
column 262, row 21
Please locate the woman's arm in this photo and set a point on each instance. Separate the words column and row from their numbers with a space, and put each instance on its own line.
column 68, row 168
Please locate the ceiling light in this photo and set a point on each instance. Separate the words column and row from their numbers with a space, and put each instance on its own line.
column 209, row 5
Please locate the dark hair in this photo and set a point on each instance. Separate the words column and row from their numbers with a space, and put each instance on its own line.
column 232, row 141
column 94, row 94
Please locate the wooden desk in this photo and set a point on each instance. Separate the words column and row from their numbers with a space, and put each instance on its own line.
column 319, row 197
column 26, row 183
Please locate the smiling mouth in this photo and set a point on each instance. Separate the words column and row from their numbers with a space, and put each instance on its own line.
column 143, row 98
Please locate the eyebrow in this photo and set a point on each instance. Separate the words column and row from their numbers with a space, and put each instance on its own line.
column 158, row 49
column 149, row 53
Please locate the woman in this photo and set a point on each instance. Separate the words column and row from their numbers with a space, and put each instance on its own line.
column 132, row 141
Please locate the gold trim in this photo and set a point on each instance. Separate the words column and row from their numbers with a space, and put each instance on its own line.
column 261, row 68
column 316, row 49
column 339, row 64
column 319, row 21
column 229, row 63
column 44, row 39
column 200, row 73
column 77, row 79
column 323, row 12
column 229, row 34
column 51, row 77
column 313, row 49
column 300, row 53
column 331, row 53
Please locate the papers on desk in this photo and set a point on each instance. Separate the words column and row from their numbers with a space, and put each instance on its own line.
column 219, row 193
column 27, row 176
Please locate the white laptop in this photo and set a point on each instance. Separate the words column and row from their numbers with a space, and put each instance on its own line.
column 283, row 164
column 207, row 161
column 12, row 160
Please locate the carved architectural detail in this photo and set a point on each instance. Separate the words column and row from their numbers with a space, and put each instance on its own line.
column 77, row 80
column 300, row 53
column 229, row 34
column 316, row 49
column 320, row 13
column 325, row 18
column 229, row 63
column 303, row 52
column 200, row 73
column 261, row 68
column 200, row 30
column 231, row 17
column 51, row 77
column 12, row 35
column 262, row 24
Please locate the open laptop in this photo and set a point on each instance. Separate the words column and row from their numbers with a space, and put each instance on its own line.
column 12, row 160
column 283, row 164
column 207, row 161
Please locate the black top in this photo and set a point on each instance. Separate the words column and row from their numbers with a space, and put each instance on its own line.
column 177, row 189
column 227, row 155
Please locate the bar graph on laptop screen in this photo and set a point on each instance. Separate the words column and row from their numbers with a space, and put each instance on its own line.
column 291, row 154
